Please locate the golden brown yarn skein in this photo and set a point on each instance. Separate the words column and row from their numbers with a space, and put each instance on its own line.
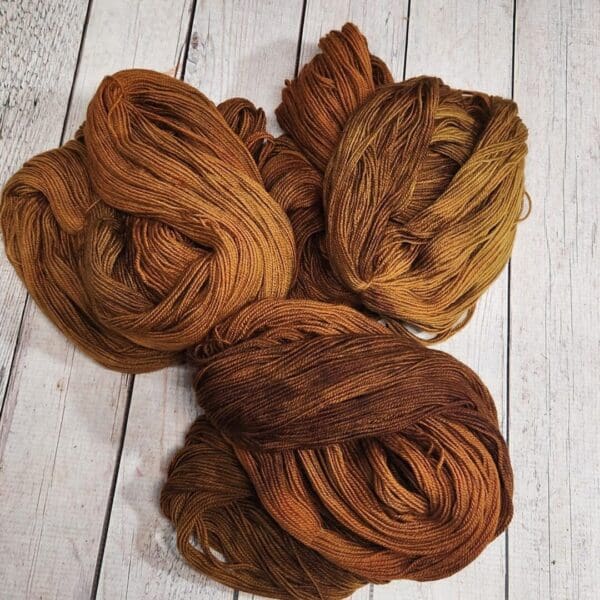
column 42, row 214
column 334, row 452
column 139, row 237
column 422, row 185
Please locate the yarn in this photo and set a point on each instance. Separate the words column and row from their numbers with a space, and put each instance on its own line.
column 333, row 452
column 147, row 229
column 416, row 188
column 297, row 185
column 249, row 123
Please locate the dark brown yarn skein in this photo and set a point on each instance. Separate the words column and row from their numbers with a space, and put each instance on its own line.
column 334, row 452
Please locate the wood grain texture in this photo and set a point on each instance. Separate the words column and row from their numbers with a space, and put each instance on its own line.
column 39, row 44
column 469, row 45
column 554, row 542
column 59, row 434
column 383, row 25
column 244, row 48
column 62, row 424
column 148, row 34
column 141, row 559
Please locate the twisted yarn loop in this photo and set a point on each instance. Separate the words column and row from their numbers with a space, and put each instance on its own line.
column 149, row 228
column 42, row 214
column 249, row 123
column 378, row 454
column 297, row 185
column 421, row 187
column 224, row 531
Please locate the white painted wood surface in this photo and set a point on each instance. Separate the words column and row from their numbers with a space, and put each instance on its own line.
column 554, row 420
column 140, row 559
column 70, row 429
column 244, row 48
column 385, row 27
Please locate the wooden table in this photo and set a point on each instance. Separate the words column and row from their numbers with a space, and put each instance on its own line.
column 83, row 450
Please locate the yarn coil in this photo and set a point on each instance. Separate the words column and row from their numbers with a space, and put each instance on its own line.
column 415, row 189
column 351, row 453
column 149, row 228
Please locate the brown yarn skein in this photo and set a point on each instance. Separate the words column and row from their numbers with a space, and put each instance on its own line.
column 422, row 186
column 42, row 214
column 149, row 228
column 334, row 452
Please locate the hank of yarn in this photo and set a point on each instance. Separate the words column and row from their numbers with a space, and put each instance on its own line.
column 150, row 227
column 416, row 188
column 343, row 452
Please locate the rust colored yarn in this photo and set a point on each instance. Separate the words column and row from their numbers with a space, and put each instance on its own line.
column 297, row 185
column 150, row 227
column 334, row 452
column 419, row 187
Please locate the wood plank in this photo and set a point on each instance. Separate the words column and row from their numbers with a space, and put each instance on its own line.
column 384, row 27
column 469, row 45
column 236, row 49
column 62, row 424
column 141, row 559
column 554, row 545
column 244, row 48
column 58, row 438
column 40, row 45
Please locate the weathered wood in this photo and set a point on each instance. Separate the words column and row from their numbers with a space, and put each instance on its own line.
column 244, row 48
column 141, row 559
column 384, row 26
column 62, row 424
column 59, row 436
column 39, row 44
column 146, row 34
column 554, row 426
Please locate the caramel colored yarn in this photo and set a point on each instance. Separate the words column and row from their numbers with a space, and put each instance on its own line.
column 334, row 452
column 297, row 185
column 150, row 227
column 419, row 187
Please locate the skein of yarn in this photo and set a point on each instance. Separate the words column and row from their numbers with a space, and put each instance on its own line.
column 150, row 227
column 334, row 452
column 405, row 196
